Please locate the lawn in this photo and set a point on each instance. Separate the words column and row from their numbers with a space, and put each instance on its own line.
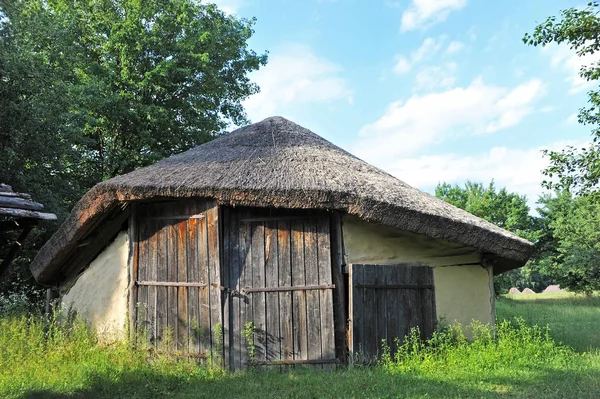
column 38, row 359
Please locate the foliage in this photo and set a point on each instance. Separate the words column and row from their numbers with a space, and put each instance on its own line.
column 575, row 169
column 43, row 358
column 573, row 257
column 96, row 88
column 508, row 211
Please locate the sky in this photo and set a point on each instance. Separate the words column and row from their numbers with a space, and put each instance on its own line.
column 430, row 91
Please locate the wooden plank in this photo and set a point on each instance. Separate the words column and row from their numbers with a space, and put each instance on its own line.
column 404, row 310
column 295, row 362
column 427, row 302
column 226, row 278
column 313, row 305
column 214, row 270
column 393, row 300
column 170, row 284
column 258, row 298
column 340, row 312
column 142, row 274
column 161, row 275
column 286, row 321
column 11, row 194
column 203, row 329
column 369, row 341
column 273, row 335
column 22, row 213
column 234, row 321
column 245, row 300
column 298, row 297
column 381, row 315
column 414, row 300
column 182, row 291
column 308, row 287
column 20, row 203
column 151, row 274
column 133, row 267
column 356, row 310
column 172, row 275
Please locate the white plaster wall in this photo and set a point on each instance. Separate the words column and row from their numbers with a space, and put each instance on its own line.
column 462, row 286
column 100, row 294
column 462, row 294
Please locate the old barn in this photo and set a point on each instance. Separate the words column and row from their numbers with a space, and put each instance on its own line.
column 270, row 245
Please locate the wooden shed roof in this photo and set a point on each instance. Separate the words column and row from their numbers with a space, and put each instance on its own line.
column 277, row 163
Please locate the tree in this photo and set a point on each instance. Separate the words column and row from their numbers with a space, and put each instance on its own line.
column 508, row 211
column 577, row 170
column 572, row 258
column 91, row 89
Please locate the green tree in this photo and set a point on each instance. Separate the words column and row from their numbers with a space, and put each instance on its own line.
column 577, row 170
column 572, row 256
column 95, row 88
column 508, row 211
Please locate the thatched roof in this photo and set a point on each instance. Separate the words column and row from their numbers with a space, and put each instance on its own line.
column 277, row 163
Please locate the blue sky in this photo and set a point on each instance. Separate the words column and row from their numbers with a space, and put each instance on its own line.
column 428, row 90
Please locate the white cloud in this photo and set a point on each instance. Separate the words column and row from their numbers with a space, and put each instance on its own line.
column 454, row 47
column 295, row 75
column 425, row 13
column 436, row 77
column 228, row 6
column 518, row 170
column 427, row 50
column 563, row 57
column 422, row 120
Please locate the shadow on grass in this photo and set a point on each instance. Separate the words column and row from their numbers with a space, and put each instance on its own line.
column 363, row 382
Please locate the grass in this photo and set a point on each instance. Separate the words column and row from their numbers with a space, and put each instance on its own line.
column 573, row 319
column 517, row 360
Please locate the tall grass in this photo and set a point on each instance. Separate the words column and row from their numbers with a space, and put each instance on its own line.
column 42, row 357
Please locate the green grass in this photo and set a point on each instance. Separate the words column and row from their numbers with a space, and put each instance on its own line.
column 41, row 359
column 573, row 319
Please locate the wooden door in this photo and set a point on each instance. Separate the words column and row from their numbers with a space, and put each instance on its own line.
column 177, row 277
column 386, row 301
column 280, row 292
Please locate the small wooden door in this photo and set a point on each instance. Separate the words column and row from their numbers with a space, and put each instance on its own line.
column 386, row 301
column 177, row 303
column 279, row 305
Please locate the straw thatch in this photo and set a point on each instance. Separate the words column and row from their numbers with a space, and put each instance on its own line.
column 514, row 291
column 277, row 163
column 528, row 291
column 553, row 289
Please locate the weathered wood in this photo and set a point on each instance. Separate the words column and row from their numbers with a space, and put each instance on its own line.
column 203, row 329
column 11, row 194
column 313, row 305
column 142, row 291
column 182, row 291
column 235, row 275
column 258, row 297
column 225, row 265
column 20, row 203
column 340, row 294
column 152, row 275
column 170, row 284
column 298, row 297
column 385, row 305
column 286, row 321
column 293, row 362
column 193, row 278
column 23, row 213
column 214, row 268
column 245, row 300
column 272, row 334
column 172, row 276
column 162, row 274
column 308, row 287
column 132, row 269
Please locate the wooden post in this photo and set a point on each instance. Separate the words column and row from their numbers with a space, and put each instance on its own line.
column 51, row 296
column 340, row 294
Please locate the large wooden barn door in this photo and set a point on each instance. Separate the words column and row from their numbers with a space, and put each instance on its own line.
column 386, row 301
column 280, row 303
column 177, row 279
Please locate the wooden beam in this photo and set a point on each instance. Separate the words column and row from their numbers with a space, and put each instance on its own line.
column 11, row 194
column 14, row 249
column 340, row 301
column 26, row 214
column 20, row 203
